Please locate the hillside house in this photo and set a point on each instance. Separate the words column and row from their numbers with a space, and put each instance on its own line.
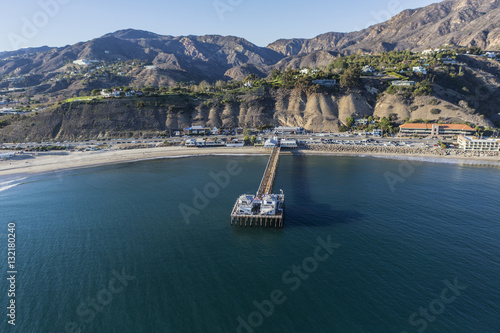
column 368, row 69
column 403, row 83
column 325, row 83
column 420, row 69
column 82, row 62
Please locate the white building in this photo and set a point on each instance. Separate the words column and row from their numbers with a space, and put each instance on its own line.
column 325, row 83
column 361, row 121
column 150, row 67
column 82, row 62
column 287, row 143
column 235, row 143
column 307, row 71
column 271, row 143
column 214, row 143
column 368, row 69
column 468, row 143
column 7, row 155
column 117, row 93
column 491, row 55
column 190, row 143
column 282, row 129
column 11, row 111
column 420, row 69
column 403, row 83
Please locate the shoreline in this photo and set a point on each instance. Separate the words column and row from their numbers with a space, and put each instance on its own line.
column 46, row 163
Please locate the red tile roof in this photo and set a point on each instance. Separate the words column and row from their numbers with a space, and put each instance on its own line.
column 459, row 127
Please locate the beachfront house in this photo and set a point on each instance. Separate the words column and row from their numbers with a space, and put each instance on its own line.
column 190, row 143
column 200, row 142
column 214, row 143
column 287, row 143
column 468, row 143
column 235, row 143
column 271, row 142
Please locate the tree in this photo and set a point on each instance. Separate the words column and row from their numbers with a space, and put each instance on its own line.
column 96, row 92
column 204, row 86
column 349, row 121
column 253, row 139
column 340, row 63
column 350, row 78
column 247, row 132
column 220, row 84
column 274, row 74
column 252, row 77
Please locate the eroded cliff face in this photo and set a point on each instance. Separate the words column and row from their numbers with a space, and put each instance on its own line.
column 155, row 116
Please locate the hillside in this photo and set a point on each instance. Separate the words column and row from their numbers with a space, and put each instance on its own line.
column 155, row 116
column 457, row 22
column 208, row 75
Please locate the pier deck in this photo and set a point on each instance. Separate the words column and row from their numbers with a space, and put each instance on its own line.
column 266, row 185
column 263, row 209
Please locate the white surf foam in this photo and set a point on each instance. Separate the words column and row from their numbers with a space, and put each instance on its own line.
column 11, row 183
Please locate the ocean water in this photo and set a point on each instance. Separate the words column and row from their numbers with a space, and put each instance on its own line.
column 369, row 245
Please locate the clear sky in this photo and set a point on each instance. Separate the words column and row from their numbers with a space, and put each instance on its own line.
column 32, row 23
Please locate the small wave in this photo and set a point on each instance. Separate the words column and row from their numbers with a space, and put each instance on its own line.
column 10, row 184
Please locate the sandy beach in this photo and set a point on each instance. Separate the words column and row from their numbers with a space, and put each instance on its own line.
column 43, row 163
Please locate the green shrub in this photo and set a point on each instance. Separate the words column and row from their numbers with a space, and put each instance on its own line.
column 435, row 111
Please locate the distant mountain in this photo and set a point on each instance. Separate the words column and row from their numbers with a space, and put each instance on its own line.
column 459, row 22
column 214, row 57
column 26, row 51
column 197, row 57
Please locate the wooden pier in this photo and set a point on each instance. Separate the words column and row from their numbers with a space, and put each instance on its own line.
column 253, row 217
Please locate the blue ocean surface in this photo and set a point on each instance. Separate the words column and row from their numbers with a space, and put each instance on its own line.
column 369, row 245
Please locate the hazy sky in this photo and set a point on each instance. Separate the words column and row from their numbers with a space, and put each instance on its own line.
column 31, row 23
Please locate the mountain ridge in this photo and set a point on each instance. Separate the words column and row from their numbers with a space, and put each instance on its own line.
column 216, row 57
